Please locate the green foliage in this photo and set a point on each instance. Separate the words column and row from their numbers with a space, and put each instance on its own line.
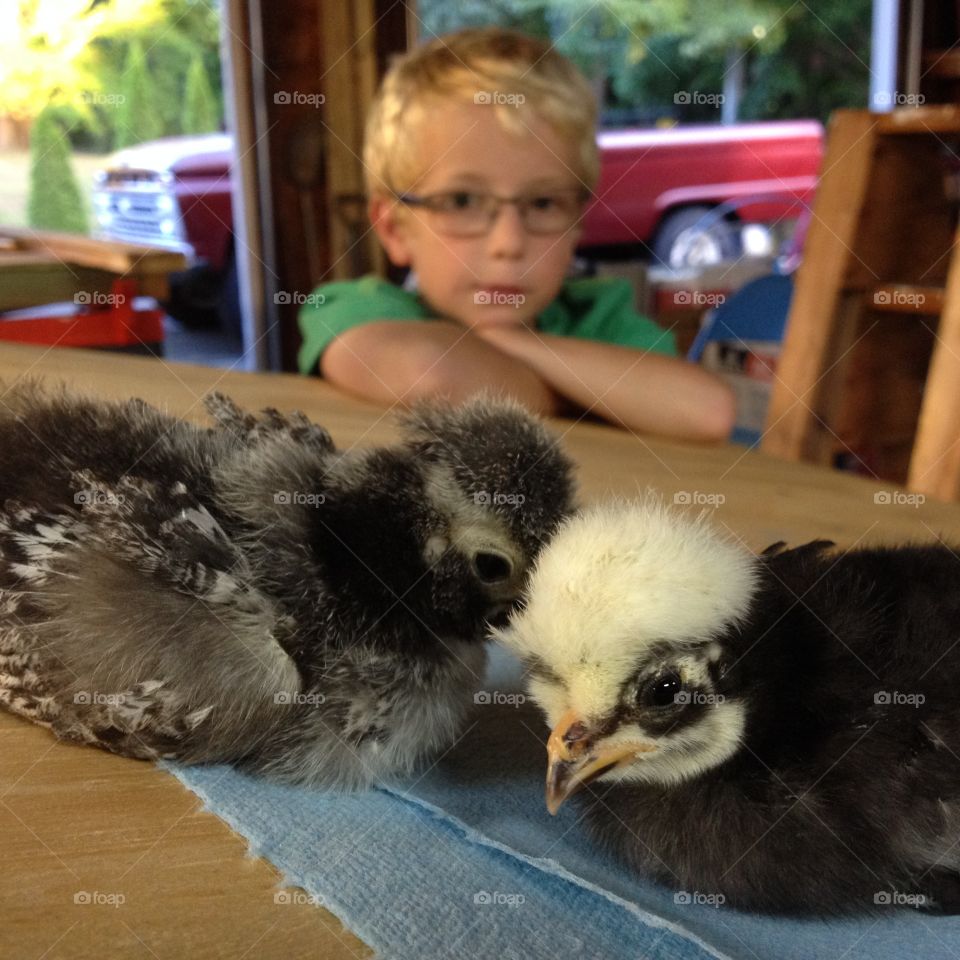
column 201, row 112
column 643, row 53
column 137, row 118
column 55, row 202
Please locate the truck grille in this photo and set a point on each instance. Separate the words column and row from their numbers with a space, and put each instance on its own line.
column 138, row 206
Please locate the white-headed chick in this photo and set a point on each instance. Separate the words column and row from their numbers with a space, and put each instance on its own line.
column 782, row 730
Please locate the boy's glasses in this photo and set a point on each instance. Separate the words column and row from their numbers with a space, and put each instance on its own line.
column 465, row 213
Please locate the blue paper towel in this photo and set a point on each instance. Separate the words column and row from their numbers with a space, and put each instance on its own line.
column 409, row 883
column 465, row 861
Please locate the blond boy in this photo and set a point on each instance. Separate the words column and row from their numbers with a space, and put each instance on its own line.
column 480, row 155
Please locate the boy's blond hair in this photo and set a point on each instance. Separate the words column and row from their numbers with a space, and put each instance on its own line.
column 520, row 77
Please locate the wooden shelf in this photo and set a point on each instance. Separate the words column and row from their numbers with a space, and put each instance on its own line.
column 942, row 118
column 944, row 64
column 906, row 298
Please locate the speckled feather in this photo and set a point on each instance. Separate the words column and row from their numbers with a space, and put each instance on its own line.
column 248, row 593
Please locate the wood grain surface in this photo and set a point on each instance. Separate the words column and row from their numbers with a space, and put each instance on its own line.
column 109, row 857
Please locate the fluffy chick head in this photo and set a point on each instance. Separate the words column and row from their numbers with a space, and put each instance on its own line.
column 623, row 634
column 497, row 485
column 428, row 539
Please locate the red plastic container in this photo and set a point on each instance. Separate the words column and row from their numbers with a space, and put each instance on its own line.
column 95, row 321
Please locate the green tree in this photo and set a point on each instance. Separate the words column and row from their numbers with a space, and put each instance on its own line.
column 137, row 115
column 201, row 112
column 55, row 201
column 643, row 53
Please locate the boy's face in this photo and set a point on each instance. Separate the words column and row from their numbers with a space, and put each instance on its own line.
column 507, row 275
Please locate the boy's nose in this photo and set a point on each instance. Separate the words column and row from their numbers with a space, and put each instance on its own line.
column 508, row 236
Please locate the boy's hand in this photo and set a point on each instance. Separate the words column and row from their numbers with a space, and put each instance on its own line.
column 647, row 392
column 402, row 362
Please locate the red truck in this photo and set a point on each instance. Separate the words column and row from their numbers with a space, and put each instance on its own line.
column 679, row 194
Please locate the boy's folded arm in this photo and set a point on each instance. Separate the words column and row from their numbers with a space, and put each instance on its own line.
column 392, row 362
column 647, row 392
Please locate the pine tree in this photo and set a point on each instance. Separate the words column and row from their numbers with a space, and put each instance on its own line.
column 138, row 120
column 55, row 201
column 200, row 111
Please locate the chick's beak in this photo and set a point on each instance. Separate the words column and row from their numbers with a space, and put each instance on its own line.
column 574, row 759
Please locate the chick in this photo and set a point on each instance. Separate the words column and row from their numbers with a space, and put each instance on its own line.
column 779, row 731
column 248, row 593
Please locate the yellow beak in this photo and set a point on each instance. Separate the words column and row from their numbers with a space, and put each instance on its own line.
column 572, row 760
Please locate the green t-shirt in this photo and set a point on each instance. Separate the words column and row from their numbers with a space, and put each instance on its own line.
column 589, row 308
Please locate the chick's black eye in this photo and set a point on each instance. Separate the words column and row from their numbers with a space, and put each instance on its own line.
column 661, row 691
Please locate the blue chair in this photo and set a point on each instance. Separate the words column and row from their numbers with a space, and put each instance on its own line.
column 757, row 311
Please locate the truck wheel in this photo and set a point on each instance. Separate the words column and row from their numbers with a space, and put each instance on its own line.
column 193, row 297
column 681, row 241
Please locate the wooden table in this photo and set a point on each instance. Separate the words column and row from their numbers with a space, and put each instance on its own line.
column 74, row 819
column 42, row 266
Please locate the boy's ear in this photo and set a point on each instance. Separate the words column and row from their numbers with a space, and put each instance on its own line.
column 390, row 228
